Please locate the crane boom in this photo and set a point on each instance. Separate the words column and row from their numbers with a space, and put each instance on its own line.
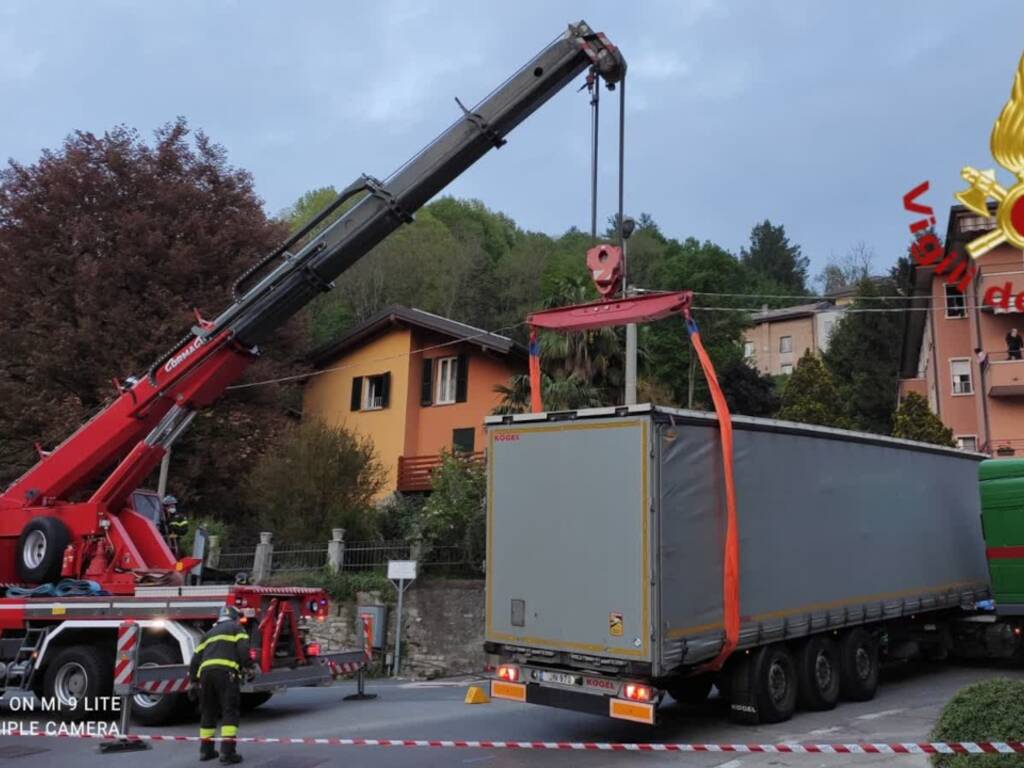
column 108, row 540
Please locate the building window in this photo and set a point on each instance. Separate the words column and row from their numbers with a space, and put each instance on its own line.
column 371, row 393
column 786, row 369
column 967, row 443
column 463, row 440
column 956, row 305
column 786, row 344
column 961, row 372
column 447, row 377
column 748, row 350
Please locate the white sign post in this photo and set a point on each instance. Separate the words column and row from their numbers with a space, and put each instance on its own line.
column 400, row 572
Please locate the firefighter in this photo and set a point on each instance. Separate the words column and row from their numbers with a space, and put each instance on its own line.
column 218, row 664
column 177, row 524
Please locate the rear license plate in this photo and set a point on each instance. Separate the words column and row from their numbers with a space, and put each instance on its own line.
column 561, row 678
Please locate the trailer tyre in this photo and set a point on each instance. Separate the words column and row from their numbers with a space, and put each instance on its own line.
column 41, row 548
column 79, row 673
column 817, row 665
column 858, row 665
column 150, row 709
column 763, row 686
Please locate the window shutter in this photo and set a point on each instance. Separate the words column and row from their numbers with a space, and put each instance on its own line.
column 357, row 393
column 385, row 389
column 427, row 387
column 461, row 378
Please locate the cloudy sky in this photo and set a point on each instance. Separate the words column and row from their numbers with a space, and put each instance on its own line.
column 818, row 115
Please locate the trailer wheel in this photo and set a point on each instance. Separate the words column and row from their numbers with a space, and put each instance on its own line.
column 817, row 667
column 153, row 709
column 77, row 673
column 41, row 548
column 858, row 665
column 252, row 700
column 763, row 686
column 691, row 690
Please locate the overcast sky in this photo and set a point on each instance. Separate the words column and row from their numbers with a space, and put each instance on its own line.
column 818, row 115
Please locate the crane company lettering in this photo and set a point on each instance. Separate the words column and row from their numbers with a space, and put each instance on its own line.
column 182, row 356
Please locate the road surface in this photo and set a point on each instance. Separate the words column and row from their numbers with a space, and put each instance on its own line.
column 904, row 710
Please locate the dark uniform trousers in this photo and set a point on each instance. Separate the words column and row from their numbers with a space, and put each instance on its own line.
column 217, row 665
column 219, row 699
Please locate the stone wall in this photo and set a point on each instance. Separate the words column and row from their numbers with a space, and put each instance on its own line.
column 443, row 621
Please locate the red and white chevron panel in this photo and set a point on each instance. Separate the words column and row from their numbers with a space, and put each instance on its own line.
column 129, row 635
column 164, row 686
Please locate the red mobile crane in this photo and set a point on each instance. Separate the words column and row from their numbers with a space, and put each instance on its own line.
column 51, row 526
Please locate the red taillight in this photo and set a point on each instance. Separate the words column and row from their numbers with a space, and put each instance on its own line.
column 506, row 672
column 313, row 649
column 636, row 692
column 254, row 654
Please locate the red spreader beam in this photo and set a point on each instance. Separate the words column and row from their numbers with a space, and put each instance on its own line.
column 602, row 314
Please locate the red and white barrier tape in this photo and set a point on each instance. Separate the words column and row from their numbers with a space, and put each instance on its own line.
column 870, row 748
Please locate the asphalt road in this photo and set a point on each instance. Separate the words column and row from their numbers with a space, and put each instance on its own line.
column 904, row 710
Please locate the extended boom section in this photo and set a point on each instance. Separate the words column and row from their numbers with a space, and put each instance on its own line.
column 44, row 535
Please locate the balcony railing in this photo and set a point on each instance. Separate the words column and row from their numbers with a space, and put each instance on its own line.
column 414, row 472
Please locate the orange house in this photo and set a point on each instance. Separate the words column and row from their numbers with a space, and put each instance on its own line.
column 417, row 384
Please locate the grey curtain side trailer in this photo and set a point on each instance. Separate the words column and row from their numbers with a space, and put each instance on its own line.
column 605, row 533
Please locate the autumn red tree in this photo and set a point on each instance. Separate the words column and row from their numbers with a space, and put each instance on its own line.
column 106, row 246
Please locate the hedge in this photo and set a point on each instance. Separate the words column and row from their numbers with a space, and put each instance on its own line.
column 992, row 710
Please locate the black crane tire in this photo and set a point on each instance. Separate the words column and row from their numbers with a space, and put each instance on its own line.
column 40, row 552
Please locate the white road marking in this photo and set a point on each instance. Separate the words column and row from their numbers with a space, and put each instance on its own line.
column 823, row 731
column 730, row 764
column 883, row 713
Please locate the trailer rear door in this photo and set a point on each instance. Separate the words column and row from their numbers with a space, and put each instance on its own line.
column 568, row 536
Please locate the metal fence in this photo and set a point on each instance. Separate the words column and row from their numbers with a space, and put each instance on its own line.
column 303, row 557
column 356, row 556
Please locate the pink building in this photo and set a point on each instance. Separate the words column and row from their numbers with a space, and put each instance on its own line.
column 980, row 396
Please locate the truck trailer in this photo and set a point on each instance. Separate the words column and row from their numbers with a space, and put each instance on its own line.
column 605, row 561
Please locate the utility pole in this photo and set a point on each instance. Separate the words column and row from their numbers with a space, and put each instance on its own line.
column 628, row 225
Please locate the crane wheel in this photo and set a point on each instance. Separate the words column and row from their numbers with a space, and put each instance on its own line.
column 40, row 552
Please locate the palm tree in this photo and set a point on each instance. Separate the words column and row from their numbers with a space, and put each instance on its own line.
column 580, row 369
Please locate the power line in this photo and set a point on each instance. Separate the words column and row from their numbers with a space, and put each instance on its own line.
column 803, row 297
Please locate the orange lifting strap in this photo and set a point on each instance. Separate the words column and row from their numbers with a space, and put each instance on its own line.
column 648, row 308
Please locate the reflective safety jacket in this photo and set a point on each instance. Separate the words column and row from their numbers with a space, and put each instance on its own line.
column 226, row 645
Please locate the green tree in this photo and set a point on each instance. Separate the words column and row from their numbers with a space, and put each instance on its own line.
column 666, row 354
column 914, row 420
column 317, row 478
column 453, row 514
column 771, row 254
column 864, row 356
column 747, row 391
column 811, row 396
